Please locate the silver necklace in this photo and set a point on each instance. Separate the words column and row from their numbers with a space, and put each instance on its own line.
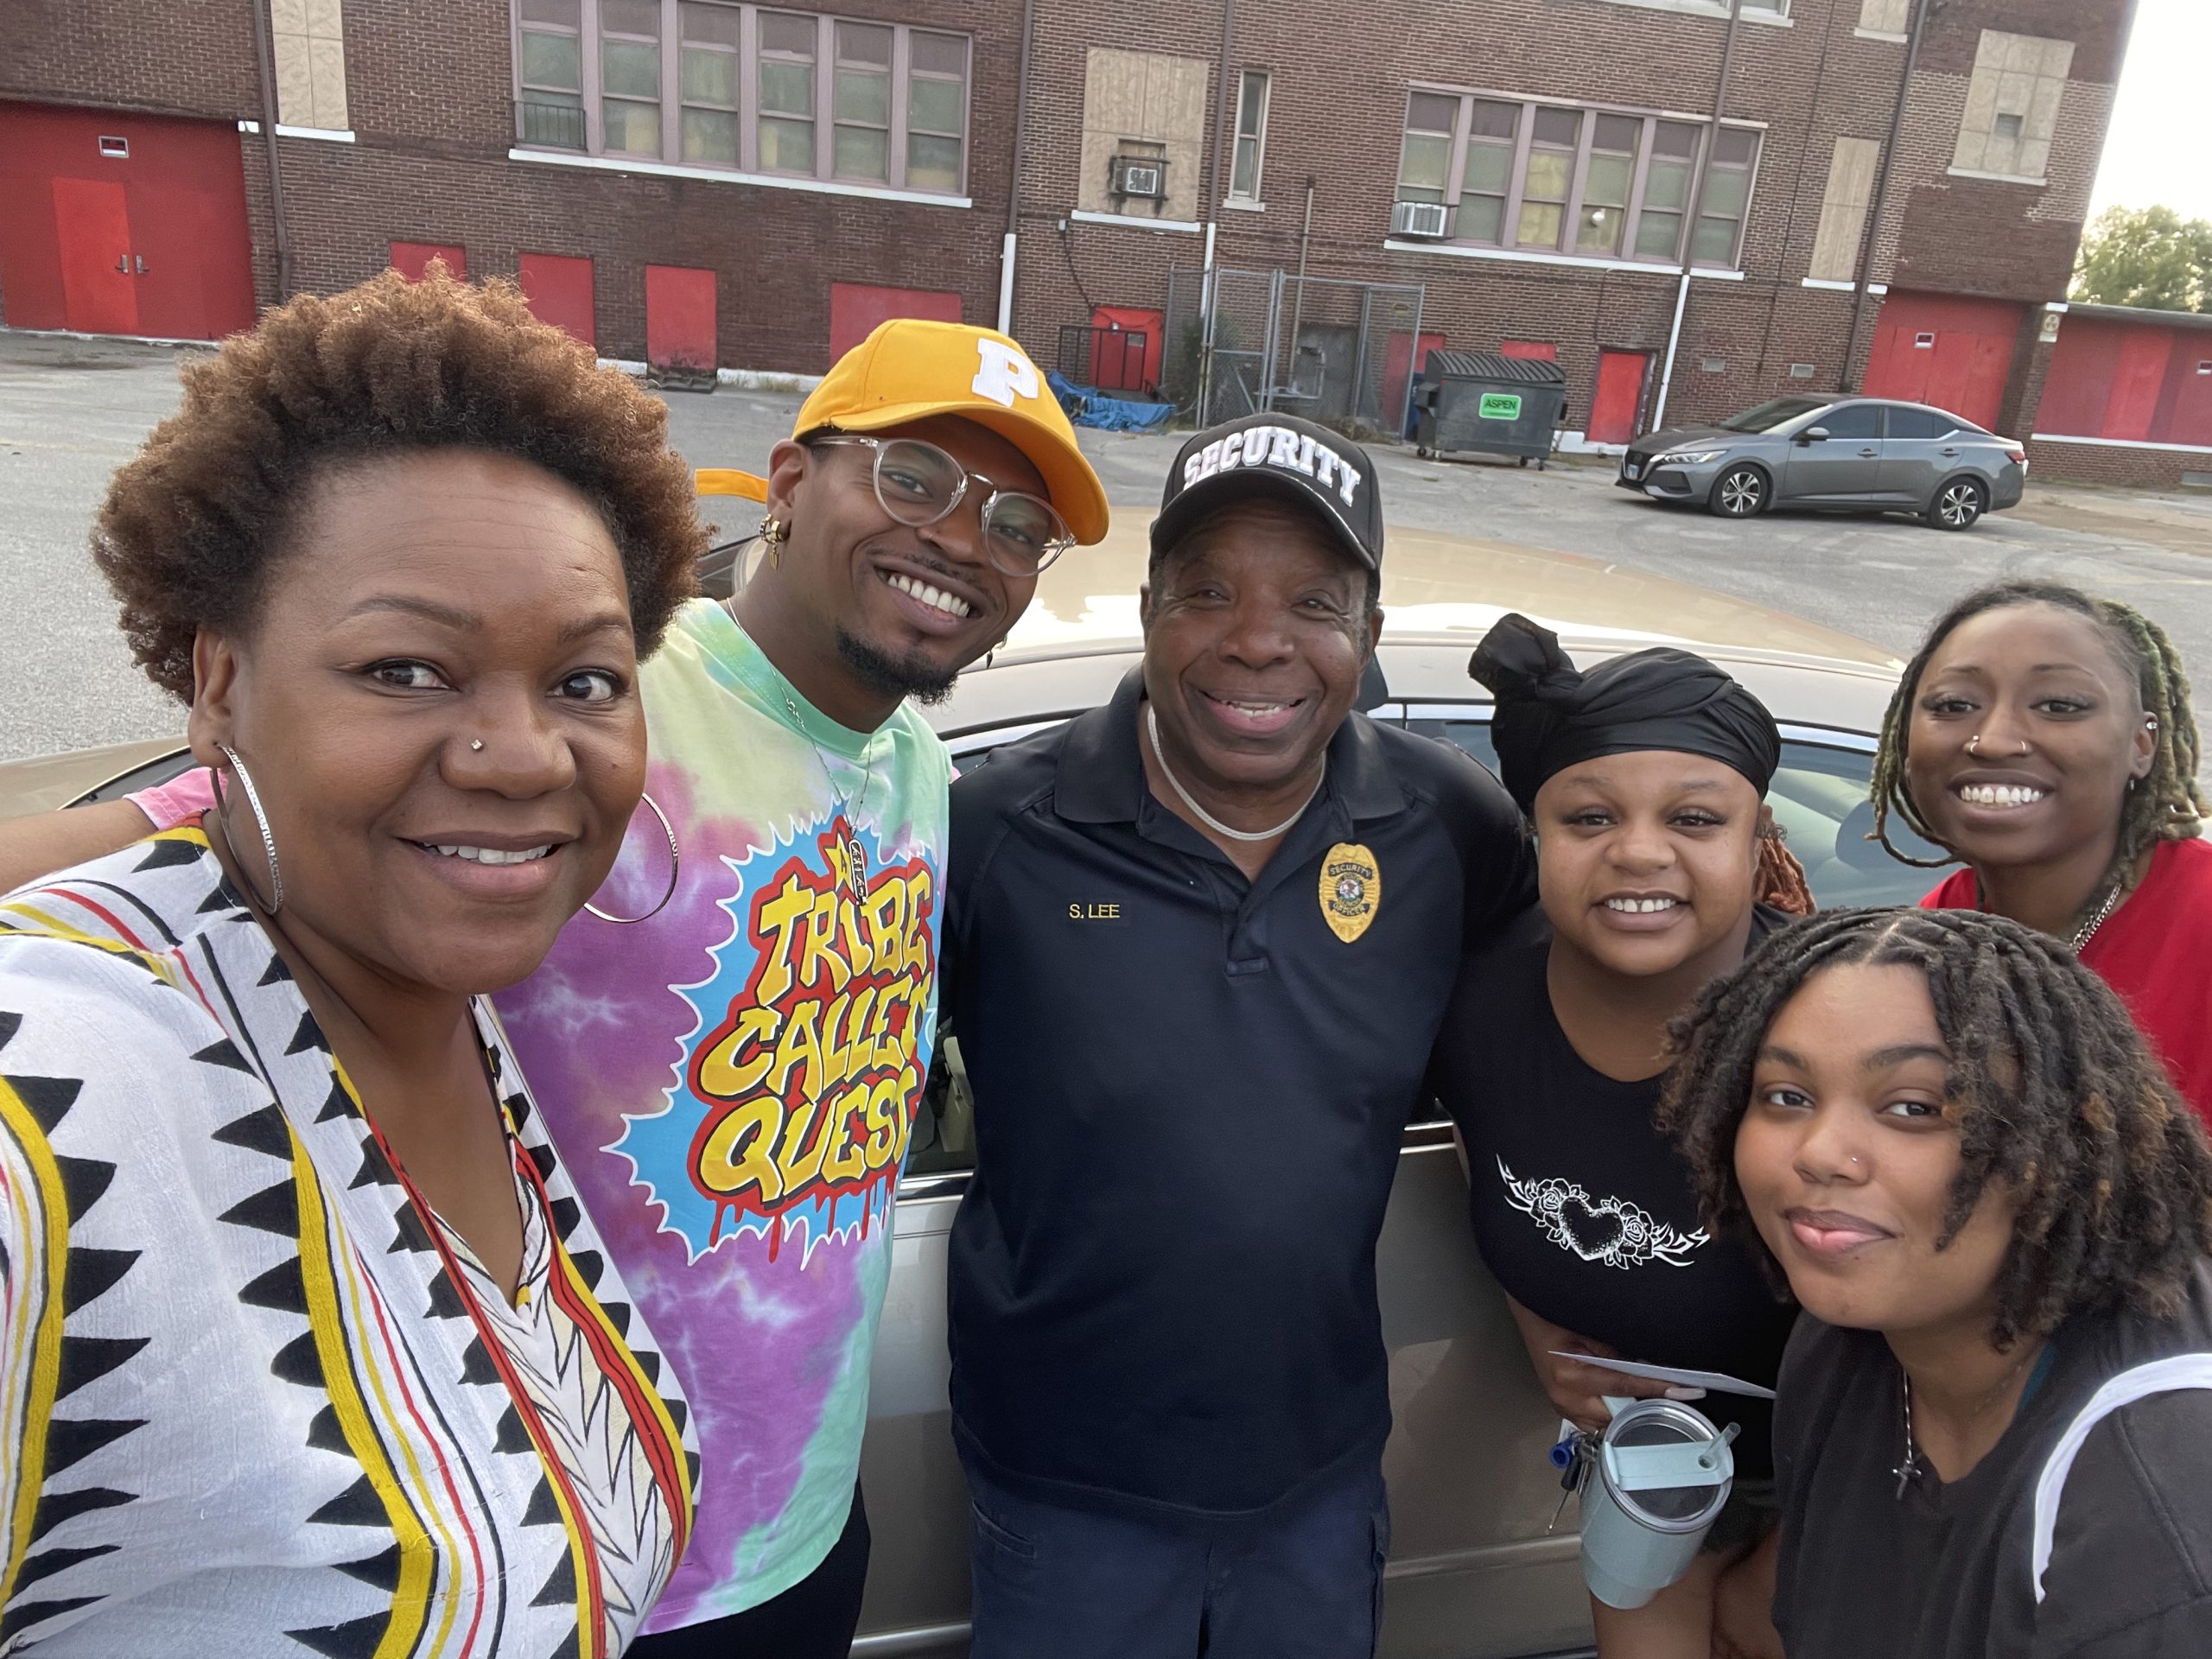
column 1908, row 1466
column 848, row 807
column 1152, row 731
column 2087, row 931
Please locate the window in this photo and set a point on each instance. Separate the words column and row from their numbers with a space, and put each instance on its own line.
column 2012, row 102
column 1919, row 424
column 1727, row 197
column 1843, row 209
column 754, row 88
column 709, row 74
column 551, row 69
column 1251, row 136
column 1607, row 184
column 1884, row 17
column 1856, row 421
column 310, row 63
column 937, row 96
column 629, row 73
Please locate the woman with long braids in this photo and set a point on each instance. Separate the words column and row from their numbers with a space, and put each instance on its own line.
column 1994, row 1209
column 1656, row 864
column 2044, row 737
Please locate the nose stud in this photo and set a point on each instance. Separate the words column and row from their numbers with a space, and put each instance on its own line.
column 1974, row 746
column 476, row 743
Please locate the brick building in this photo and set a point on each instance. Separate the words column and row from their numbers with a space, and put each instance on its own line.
column 710, row 183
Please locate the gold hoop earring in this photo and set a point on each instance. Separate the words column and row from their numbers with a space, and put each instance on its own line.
column 675, row 863
column 261, row 822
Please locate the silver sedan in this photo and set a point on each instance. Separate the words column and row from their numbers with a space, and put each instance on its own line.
column 1856, row 454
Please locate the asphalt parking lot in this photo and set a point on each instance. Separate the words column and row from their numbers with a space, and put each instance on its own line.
column 72, row 410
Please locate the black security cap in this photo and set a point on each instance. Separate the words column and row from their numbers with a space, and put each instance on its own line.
column 1284, row 457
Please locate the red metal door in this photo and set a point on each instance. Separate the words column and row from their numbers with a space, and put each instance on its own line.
column 1954, row 353
column 93, row 223
column 411, row 259
column 1126, row 365
column 1618, row 400
column 679, row 317
column 559, row 290
column 857, row 309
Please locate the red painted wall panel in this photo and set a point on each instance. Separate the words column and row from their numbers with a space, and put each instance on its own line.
column 2078, row 385
column 559, row 290
column 411, row 259
column 1619, row 397
column 172, row 203
column 1963, row 369
column 1538, row 350
column 679, row 317
column 856, row 309
column 2190, row 419
column 2136, row 381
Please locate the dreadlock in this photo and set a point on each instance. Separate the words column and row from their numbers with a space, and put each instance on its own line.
column 2054, row 1095
column 1779, row 882
column 2165, row 805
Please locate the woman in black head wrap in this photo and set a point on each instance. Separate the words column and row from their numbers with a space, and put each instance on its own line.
column 1644, row 779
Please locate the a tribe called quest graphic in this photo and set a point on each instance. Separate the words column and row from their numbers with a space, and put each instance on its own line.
column 807, row 1065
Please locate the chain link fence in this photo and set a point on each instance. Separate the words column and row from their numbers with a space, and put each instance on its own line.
column 1246, row 342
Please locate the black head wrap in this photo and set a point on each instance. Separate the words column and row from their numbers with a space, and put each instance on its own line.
column 1551, row 715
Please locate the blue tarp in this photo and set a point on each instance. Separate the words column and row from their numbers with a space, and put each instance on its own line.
column 1088, row 406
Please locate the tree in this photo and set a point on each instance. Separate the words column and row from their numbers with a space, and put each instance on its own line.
column 2148, row 257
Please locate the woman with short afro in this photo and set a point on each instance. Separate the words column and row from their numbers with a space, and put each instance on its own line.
column 2044, row 737
column 1994, row 1429
column 307, row 1343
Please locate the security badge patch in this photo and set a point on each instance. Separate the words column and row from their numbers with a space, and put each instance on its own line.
column 1351, row 889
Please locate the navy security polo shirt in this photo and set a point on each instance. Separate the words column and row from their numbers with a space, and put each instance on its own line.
column 1189, row 1094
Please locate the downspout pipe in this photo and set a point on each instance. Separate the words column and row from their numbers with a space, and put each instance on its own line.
column 1207, row 283
column 1862, row 278
column 1013, row 170
column 264, row 51
column 1696, row 205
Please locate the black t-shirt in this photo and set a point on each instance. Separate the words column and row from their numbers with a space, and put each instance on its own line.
column 1582, row 1210
column 1190, row 1089
column 1944, row 1572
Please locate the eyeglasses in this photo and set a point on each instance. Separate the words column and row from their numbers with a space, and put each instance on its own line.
column 919, row 483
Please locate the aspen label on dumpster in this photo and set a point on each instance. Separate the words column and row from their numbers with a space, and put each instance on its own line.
column 1500, row 406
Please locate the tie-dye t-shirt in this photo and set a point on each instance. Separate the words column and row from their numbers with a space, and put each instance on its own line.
column 731, row 1083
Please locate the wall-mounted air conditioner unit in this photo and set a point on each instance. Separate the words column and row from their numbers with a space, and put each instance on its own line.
column 1145, row 179
column 1418, row 219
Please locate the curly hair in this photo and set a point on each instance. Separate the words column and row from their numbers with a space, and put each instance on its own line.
column 193, row 525
column 2055, row 1095
column 2166, row 805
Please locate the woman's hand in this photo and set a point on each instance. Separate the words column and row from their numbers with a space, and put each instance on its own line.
column 1577, row 1391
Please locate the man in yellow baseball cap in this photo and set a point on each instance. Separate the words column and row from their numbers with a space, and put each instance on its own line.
column 745, row 1191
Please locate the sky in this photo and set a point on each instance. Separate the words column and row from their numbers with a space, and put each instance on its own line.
column 2156, row 152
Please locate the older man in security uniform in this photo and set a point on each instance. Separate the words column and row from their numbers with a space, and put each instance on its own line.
column 1198, row 943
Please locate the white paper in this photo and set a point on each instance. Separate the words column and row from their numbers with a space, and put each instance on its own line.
column 1716, row 1381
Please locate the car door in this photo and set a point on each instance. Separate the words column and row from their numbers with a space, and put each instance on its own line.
column 1841, row 468
column 1920, row 448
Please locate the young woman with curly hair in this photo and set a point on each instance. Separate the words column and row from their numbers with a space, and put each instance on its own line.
column 306, row 1343
column 1994, row 1209
column 2045, row 738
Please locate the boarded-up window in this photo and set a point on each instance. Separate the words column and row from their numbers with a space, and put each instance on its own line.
column 2012, row 104
column 1884, row 17
column 310, row 41
column 1843, row 209
column 1149, row 99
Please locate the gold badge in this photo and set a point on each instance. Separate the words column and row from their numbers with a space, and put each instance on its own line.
column 1351, row 888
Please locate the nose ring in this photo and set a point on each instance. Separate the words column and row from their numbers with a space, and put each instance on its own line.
column 1974, row 746
column 476, row 743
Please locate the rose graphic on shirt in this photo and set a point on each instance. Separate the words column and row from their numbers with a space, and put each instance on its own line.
column 1612, row 1232
column 807, row 1065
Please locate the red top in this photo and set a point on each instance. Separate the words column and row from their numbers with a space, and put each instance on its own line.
column 2156, row 950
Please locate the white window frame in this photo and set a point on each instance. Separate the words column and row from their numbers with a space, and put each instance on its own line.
column 1257, row 138
column 823, row 176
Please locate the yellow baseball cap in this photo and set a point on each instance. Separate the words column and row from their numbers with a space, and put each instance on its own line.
column 909, row 369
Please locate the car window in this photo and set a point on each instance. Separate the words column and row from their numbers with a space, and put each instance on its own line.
column 1853, row 420
column 1820, row 799
column 1919, row 423
column 1776, row 411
